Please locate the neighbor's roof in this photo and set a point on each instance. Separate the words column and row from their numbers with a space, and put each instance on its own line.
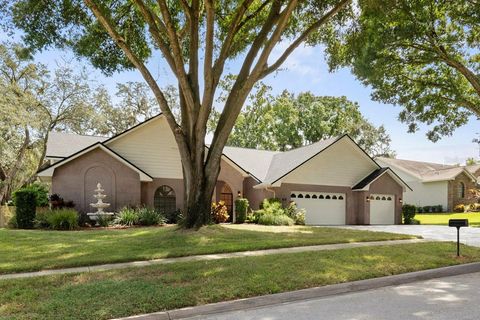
column 427, row 171
column 473, row 168
column 256, row 162
column 62, row 145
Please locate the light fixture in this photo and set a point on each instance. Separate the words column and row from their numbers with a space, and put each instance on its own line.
column 367, row 198
column 400, row 200
column 239, row 194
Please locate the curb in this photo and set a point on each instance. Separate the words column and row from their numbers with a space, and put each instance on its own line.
column 311, row 293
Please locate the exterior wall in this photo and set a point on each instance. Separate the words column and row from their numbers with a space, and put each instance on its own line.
column 254, row 196
column 77, row 179
column 149, row 188
column 387, row 185
column 423, row 194
column 342, row 164
column 453, row 197
column 151, row 147
column 352, row 216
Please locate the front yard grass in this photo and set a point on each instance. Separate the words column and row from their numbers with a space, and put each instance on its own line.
column 442, row 218
column 33, row 250
column 118, row 293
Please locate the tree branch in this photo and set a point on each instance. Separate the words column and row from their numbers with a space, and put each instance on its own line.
column 337, row 8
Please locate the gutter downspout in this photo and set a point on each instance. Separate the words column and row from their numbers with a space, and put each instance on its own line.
column 272, row 191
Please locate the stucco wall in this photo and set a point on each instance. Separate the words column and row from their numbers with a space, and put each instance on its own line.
column 453, row 197
column 77, row 179
column 387, row 185
column 149, row 188
column 254, row 196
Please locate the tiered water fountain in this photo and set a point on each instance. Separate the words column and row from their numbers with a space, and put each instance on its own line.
column 99, row 205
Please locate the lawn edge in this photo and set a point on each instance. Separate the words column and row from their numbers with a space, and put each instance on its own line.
column 208, row 257
column 310, row 293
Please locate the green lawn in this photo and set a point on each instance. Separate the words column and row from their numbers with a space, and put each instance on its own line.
column 31, row 250
column 442, row 218
column 118, row 293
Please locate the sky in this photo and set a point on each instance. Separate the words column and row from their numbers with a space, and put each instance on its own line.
column 306, row 70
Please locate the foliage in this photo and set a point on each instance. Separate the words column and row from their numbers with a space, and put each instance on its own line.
column 174, row 217
column 459, row 208
column 274, row 122
column 122, row 35
column 422, row 55
column 25, row 200
column 474, row 207
column 408, row 211
column 269, row 219
column 41, row 194
column 241, row 207
column 219, row 212
column 298, row 215
column 149, row 217
column 61, row 219
column 126, row 217
column 57, row 202
column 104, row 220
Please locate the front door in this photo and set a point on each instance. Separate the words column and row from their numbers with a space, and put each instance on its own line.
column 226, row 196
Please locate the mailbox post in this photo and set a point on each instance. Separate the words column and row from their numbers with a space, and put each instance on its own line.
column 458, row 223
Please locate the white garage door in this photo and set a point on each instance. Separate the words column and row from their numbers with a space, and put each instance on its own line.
column 321, row 208
column 382, row 209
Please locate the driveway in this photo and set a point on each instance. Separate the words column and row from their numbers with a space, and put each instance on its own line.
column 469, row 236
column 444, row 298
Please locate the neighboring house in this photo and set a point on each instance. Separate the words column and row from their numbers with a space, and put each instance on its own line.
column 334, row 180
column 433, row 183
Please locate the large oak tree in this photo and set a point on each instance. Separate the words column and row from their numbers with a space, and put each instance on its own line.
column 422, row 55
column 196, row 39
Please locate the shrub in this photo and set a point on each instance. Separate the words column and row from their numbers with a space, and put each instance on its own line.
column 41, row 220
column 219, row 212
column 269, row 219
column 40, row 191
column 269, row 201
column 173, row 217
column 149, row 217
column 408, row 212
column 459, row 208
column 419, row 210
column 241, row 207
column 475, row 207
column 104, row 220
column 57, row 202
column 62, row 219
column 25, row 200
column 427, row 209
column 438, row 208
column 126, row 217
column 298, row 215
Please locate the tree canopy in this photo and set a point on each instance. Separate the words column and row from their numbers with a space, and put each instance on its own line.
column 288, row 121
column 422, row 55
column 118, row 35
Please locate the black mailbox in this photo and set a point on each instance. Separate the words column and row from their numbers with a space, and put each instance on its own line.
column 458, row 223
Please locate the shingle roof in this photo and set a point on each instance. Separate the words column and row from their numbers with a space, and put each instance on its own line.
column 62, row 145
column 256, row 162
column 473, row 168
column 426, row 171
column 370, row 178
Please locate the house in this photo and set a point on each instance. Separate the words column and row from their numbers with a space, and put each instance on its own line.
column 433, row 183
column 334, row 180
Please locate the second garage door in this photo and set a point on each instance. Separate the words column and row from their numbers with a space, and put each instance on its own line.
column 382, row 209
column 321, row 208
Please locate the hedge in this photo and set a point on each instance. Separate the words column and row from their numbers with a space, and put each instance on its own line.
column 25, row 200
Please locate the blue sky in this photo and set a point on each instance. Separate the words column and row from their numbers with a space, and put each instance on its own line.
column 306, row 70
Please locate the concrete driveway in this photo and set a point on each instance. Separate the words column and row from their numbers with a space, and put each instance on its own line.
column 469, row 236
column 441, row 299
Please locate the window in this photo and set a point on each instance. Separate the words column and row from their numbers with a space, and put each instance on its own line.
column 334, row 198
column 314, row 196
column 300, row 195
column 461, row 190
column 307, row 196
column 226, row 195
column 164, row 200
column 340, row 198
column 293, row 195
column 327, row 197
column 321, row 197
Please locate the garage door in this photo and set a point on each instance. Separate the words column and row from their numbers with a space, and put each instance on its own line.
column 382, row 209
column 321, row 208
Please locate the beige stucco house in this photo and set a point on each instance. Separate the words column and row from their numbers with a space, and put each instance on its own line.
column 433, row 183
column 334, row 180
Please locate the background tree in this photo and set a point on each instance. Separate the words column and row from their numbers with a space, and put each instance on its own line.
column 287, row 121
column 117, row 35
column 422, row 55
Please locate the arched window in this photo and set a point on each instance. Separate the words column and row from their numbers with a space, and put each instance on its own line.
column 321, row 197
column 300, row 195
column 307, row 196
column 314, row 196
column 334, row 198
column 461, row 190
column 327, row 197
column 293, row 195
column 340, row 198
column 164, row 200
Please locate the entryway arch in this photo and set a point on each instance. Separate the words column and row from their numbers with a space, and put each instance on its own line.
column 226, row 195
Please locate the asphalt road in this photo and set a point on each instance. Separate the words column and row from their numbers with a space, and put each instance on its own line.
column 451, row 298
